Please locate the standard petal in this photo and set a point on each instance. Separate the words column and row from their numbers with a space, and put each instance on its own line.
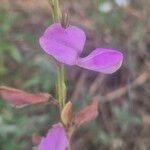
column 64, row 44
column 56, row 139
column 102, row 60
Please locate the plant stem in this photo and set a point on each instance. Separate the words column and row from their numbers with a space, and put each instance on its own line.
column 55, row 10
column 61, row 89
column 70, row 132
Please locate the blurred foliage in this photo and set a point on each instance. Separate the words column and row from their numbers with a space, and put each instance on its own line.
column 18, row 126
column 7, row 48
column 13, row 59
column 22, row 70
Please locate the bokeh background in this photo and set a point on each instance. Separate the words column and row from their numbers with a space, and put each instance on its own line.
column 123, row 122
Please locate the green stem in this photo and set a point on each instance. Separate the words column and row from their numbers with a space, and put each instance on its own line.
column 55, row 10
column 61, row 90
column 70, row 133
column 62, row 84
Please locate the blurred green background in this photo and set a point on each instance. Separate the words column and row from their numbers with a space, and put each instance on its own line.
column 124, row 110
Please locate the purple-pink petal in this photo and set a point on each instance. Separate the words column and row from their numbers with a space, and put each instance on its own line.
column 56, row 139
column 64, row 44
column 102, row 60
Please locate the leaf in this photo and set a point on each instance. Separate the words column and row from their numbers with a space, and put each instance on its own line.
column 66, row 114
column 19, row 98
column 87, row 114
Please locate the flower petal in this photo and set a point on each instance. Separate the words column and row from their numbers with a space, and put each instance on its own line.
column 56, row 139
column 102, row 60
column 64, row 44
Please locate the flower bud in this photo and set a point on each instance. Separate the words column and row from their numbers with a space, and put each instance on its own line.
column 66, row 114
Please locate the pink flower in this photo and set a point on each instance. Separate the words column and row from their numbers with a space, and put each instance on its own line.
column 66, row 45
column 56, row 139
